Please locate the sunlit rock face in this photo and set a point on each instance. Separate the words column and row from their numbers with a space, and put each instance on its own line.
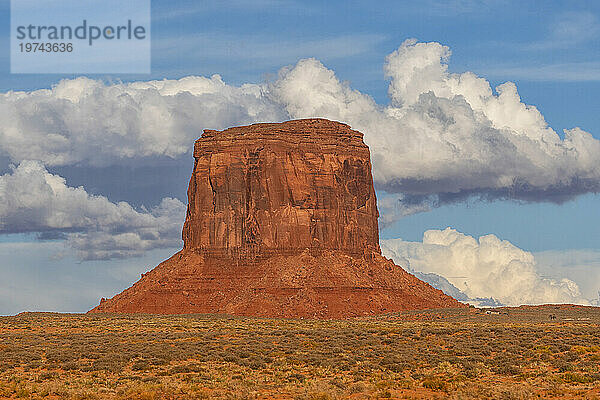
column 280, row 189
column 281, row 222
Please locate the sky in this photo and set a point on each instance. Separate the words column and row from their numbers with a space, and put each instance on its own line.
column 94, row 172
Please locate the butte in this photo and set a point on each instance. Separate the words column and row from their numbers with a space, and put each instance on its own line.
column 281, row 222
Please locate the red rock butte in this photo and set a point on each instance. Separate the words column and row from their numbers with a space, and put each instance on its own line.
column 281, row 222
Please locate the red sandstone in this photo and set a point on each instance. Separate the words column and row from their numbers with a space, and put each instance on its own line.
column 281, row 222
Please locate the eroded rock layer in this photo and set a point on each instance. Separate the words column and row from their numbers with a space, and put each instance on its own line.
column 281, row 222
column 281, row 188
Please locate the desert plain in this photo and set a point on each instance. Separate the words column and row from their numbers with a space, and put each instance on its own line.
column 503, row 353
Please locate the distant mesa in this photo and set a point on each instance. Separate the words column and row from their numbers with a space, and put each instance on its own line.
column 281, row 222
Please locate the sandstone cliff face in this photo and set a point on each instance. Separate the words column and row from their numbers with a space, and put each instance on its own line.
column 280, row 189
column 281, row 222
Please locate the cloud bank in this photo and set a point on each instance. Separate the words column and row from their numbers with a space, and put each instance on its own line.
column 84, row 121
column 33, row 200
column 484, row 267
column 442, row 138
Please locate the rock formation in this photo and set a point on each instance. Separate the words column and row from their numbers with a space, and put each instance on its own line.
column 281, row 222
column 281, row 188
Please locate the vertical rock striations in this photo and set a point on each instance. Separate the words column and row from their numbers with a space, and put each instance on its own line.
column 281, row 222
column 280, row 189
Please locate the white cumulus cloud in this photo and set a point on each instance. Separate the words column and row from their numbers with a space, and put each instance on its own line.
column 443, row 137
column 87, row 121
column 34, row 200
column 483, row 268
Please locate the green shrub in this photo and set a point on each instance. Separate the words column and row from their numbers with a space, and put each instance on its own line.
column 435, row 384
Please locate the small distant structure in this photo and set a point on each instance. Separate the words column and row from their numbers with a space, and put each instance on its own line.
column 552, row 317
column 490, row 312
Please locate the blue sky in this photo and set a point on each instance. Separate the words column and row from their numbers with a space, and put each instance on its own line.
column 550, row 50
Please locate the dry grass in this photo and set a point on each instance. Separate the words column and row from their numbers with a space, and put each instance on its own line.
column 517, row 354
